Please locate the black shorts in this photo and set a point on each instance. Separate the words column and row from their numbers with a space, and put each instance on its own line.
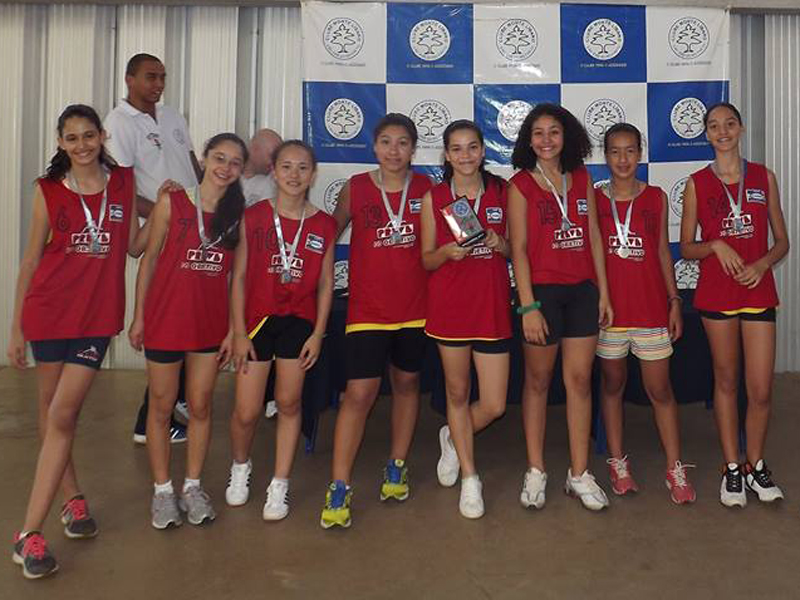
column 480, row 346
column 765, row 316
column 368, row 351
column 570, row 310
column 172, row 356
column 88, row 351
column 281, row 337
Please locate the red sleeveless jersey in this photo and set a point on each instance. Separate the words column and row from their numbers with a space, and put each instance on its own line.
column 717, row 291
column 387, row 283
column 265, row 294
column 557, row 256
column 636, row 283
column 76, row 293
column 186, row 307
column 470, row 299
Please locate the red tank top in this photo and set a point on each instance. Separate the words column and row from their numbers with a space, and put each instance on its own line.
column 636, row 283
column 264, row 292
column 387, row 283
column 470, row 299
column 717, row 291
column 557, row 256
column 75, row 293
column 186, row 307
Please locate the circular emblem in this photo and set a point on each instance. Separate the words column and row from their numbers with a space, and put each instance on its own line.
column 510, row 118
column 340, row 275
column 429, row 39
column 687, row 273
column 343, row 38
column 602, row 184
column 431, row 117
column 600, row 115
column 461, row 208
column 179, row 137
column 676, row 196
column 331, row 194
column 344, row 119
column 516, row 39
column 688, row 37
column 603, row 39
column 687, row 118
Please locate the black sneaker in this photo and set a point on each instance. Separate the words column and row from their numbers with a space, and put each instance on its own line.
column 731, row 490
column 177, row 434
column 78, row 523
column 32, row 554
column 759, row 481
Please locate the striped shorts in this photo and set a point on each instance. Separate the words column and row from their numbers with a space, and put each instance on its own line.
column 646, row 343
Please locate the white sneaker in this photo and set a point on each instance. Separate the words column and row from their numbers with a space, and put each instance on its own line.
column 271, row 410
column 533, row 488
column 182, row 409
column 448, row 466
column 586, row 488
column 238, row 490
column 470, row 504
column 759, row 480
column 731, row 488
column 277, row 506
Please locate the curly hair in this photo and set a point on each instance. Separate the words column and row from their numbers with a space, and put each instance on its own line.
column 577, row 145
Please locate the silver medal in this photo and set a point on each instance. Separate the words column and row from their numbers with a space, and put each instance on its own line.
column 95, row 247
column 738, row 224
column 623, row 252
column 397, row 237
column 565, row 224
column 286, row 277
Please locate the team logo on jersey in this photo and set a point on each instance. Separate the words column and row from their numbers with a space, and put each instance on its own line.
column 179, row 136
column 756, row 195
column 510, row 118
column 494, row 214
column 686, row 118
column 344, row 119
column 603, row 39
column 600, row 115
column 415, row 206
column 343, row 38
column 154, row 139
column 295, row 267
column 516, row 39
column 91, row 354
column 583, row 206
column 688, row 38
column 315, row 243
column 429, row 39
column 634, row 244
column 207, row 260
column 741, row 226
column 571, row 239
column 386, row 235
column 85, row 243
column 116, row 213
column 431, row 117
column 331, row 194
column 676, row 196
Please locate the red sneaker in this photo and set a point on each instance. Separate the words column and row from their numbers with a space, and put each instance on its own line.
column 678, row 484
column 622, row 481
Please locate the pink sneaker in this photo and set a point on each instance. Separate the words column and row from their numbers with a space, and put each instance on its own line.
column 621, row 479
column 680, row 489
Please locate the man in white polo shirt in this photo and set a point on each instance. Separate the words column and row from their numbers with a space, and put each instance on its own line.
column 257, row 180
column 155, row 141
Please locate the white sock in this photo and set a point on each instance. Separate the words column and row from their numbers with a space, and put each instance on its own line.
column 280, row 480
column 164, row 488
column 190, row 483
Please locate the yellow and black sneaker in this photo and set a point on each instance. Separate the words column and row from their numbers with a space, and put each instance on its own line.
column 337, row 505
column 395, row 480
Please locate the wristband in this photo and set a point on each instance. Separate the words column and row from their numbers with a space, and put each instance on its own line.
column 535, row 305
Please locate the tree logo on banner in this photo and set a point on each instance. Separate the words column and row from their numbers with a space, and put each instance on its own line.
column 340, row 275
column 343, row 38
column 687, row 273
column 431, row 117
column 510, row 118
column 688, row 37
column 331, row 194
column 600, row 115
column 676, row 196
column 344, row 119
column 687, row 118
column 516, row 39
column 429, row 39
column 603, row 39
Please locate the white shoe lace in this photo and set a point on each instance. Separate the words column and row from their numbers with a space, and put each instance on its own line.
column 620, row 466
column 240, row 477
column 276, row 494
column 678, row 473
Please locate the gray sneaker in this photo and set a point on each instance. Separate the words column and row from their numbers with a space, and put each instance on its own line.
column 165, row 511
column 196, row 503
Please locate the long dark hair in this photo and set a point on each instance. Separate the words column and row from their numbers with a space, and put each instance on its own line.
column 459, row 125
column 400, row 120
column 577, row 145
column 60, row 164
column 737, row 115
column 622, row 128
column 230, row 207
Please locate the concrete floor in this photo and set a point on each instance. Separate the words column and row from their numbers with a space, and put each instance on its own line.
column 644, row 546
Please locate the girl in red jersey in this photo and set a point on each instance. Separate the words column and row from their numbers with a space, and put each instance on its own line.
column 282, row 290
column 468, row 305
column 386, row 309
column 69, row 302
column 182, row 315
column 647, row 307
column 561, row 280
column 736, row 204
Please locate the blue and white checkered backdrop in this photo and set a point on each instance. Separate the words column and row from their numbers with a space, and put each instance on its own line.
column 656, row 67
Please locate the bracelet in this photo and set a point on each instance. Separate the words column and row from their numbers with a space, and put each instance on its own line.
column 535, row 305
column 671, row 298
